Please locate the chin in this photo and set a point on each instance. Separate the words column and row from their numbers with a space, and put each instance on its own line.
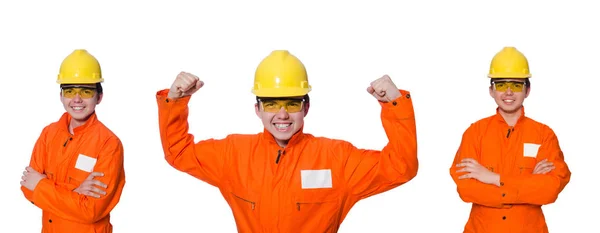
column 79, row 115
column 510, row 109
column 282, row 136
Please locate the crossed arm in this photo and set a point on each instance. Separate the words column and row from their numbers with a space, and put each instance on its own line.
column 73, row 203
column 476, row 184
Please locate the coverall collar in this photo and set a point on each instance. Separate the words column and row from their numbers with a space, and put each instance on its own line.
column 66, row 118
column 296, row 138
column 500, row 118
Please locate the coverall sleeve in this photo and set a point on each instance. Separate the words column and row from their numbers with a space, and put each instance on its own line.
column 539, row 189
column 203, row 160
column 370, row 172
column 472, row 190
column 72, row 206
column 37, row 160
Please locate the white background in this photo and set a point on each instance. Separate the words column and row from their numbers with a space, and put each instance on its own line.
column 440, row 51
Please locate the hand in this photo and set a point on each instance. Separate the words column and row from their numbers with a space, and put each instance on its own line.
column 383, row 89
column 185, row 84
column 87, row 186
column 478, row 172
column 31, row 178
column 543, row 167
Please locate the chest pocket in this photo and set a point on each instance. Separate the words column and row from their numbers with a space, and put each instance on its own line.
column 75, row 176
column 315, row 207
column 528, row 160
column 243, row 200
column 317, row 200
column 526, row 165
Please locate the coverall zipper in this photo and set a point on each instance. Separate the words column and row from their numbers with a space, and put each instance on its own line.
column 509, row 130
column 243, row 199
column 278, row 157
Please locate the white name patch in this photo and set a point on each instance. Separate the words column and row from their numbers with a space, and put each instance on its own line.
column 314, row 179
column 85, row 163
column 530, row 149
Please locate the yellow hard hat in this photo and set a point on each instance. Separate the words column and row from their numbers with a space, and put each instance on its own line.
column 509, row 63
column 80, row 67
column 280, row 74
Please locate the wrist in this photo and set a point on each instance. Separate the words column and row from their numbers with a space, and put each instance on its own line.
column 497, row 179
column 172, row 96
column 395, row 95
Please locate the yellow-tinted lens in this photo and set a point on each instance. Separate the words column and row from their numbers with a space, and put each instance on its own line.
column 84, row 93
column 514, row 86
column 290, row 106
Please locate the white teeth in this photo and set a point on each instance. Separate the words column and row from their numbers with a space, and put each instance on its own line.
column 77, row 108
column 282, row 126
column 509, row 101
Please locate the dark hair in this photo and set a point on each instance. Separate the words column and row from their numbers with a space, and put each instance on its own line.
column 99, row 88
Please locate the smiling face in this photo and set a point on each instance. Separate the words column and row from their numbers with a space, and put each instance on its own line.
column 509, row 94
column 80, row 101
column 282, row 117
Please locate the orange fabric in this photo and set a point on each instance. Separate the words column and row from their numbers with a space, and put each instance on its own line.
column 55, row 154
column 263, row 183
column 515, row 206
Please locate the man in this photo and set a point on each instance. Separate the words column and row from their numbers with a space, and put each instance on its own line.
column 76, row 172
column 509, row 165
column 285, row 180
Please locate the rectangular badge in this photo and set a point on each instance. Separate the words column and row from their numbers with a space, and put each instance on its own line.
column 85, row 163
column 315, row 179
column 530, row 150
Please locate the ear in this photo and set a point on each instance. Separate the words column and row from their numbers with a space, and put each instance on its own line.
column 306, row 107
column 256, row 110
column 527, row 91
column 491, row 91
column 99, row 98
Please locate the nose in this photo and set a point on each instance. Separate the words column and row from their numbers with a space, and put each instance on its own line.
column 509, row 91
column 282, row 114
column 77, row 98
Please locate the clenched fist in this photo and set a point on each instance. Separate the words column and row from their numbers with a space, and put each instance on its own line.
column 31, row 178
column 185, row 84
column 383, row 89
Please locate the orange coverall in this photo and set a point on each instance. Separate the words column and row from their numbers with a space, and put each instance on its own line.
column 67, row 160
column 512, row 152
column 308, row 186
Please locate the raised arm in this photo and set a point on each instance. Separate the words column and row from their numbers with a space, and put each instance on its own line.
column 204, row 159
column 369, row 172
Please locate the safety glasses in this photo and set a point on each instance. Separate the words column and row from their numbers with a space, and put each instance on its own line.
column 275, row 105
column 84, row 92
column 514, row 86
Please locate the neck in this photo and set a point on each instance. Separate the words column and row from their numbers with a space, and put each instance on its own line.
column 282, row 143
column 511, row 118
column 74, row 124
